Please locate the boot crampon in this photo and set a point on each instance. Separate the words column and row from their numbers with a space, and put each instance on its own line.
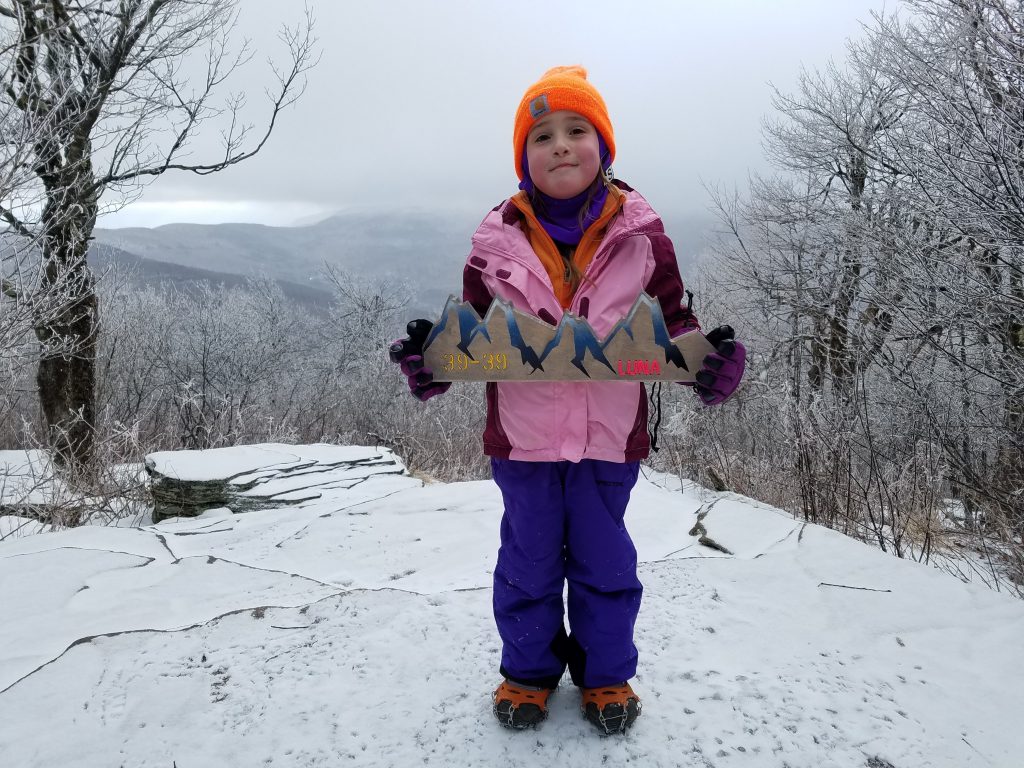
column 612, row 708
column 520, row 706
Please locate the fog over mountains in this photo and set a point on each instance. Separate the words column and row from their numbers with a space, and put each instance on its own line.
column 142, row 271
column 424, row 251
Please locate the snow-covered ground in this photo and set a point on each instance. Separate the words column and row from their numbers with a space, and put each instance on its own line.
column 355, row 629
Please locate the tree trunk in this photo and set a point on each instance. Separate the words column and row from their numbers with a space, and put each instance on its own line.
column 1011, row 460
column 67, row 378
column 67, row 382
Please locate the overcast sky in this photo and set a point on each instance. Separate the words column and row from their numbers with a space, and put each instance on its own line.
column 412, row 102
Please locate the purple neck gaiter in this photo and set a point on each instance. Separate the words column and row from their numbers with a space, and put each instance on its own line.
column 561, row 218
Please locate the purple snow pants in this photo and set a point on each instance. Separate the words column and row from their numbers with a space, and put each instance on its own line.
column 564, row 522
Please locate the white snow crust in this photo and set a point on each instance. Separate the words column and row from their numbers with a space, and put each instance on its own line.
column 355, row 629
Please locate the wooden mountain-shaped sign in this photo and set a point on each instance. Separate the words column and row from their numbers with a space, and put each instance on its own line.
column 508, row 345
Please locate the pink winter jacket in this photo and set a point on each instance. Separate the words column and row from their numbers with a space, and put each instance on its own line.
column 571, row 420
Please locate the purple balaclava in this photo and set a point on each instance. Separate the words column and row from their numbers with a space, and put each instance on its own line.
column 561, row 218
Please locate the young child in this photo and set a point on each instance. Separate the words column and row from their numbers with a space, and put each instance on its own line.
column 566, row 454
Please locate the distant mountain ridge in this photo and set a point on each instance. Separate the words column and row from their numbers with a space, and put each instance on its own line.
column 424, row 250
column 372, row 246
column 143, row 271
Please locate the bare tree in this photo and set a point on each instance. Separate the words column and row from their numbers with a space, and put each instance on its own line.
column 805, row 245
column 103, row 96
column 963, row 65
column 882, row 268
column 20, row 307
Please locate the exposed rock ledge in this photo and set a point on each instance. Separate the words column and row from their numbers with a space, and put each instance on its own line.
column 251, row 477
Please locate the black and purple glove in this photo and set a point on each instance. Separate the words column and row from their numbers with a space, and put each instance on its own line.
column 722, row 369
column 408, row 354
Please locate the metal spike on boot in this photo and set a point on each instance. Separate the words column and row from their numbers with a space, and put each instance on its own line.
column 520, row 706
column 611, row 708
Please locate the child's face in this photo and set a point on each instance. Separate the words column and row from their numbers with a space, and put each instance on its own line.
column 563, row 154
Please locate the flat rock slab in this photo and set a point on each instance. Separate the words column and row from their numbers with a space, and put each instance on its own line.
column 254, row 477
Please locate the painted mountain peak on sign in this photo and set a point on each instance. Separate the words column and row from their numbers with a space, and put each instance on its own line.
column 509, row 345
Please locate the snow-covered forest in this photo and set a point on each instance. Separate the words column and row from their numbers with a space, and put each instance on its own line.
column 876, row 278
column 880, row 277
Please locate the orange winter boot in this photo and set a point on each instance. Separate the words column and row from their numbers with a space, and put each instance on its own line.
column 611, row 708
column 520, row 706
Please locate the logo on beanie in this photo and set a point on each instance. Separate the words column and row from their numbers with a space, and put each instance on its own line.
column 539, row 106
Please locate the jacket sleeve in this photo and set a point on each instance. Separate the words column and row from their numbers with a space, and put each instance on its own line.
column 666, row 285
column 474, row 291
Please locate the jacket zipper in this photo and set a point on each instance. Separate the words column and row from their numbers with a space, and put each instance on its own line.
column 605, row 247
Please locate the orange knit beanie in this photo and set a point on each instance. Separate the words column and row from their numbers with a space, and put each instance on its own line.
column 560, row 88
